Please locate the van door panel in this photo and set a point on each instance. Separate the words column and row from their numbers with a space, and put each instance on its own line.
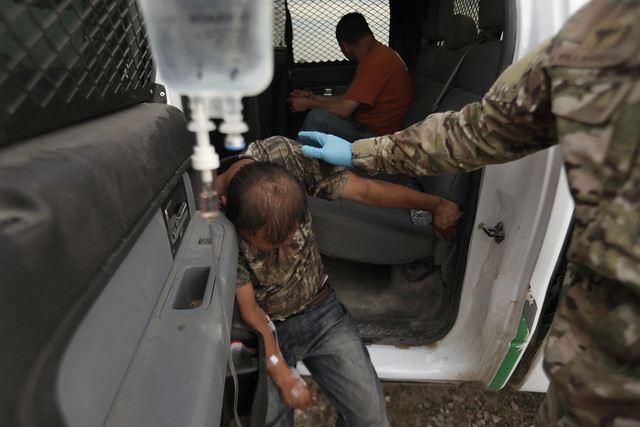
column 87, row 266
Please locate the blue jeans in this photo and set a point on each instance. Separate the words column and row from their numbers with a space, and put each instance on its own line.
column 326, row 339
column 325, row 122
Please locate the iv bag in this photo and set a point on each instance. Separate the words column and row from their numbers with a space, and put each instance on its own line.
column 212, row 47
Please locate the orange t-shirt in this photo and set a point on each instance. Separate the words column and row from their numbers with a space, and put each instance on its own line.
column 382, row 86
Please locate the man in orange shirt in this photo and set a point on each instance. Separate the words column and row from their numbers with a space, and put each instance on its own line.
column 377, row 98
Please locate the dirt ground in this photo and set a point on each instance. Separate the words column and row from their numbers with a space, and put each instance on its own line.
column 463, row 405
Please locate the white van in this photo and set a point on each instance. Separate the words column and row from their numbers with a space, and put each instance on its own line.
column 113, row 309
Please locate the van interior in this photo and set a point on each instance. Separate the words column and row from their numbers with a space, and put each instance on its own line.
column 106, row 265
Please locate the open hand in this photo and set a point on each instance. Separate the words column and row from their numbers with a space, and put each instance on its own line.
column 335, row 150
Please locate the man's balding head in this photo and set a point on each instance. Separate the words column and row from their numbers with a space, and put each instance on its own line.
column 264, row 197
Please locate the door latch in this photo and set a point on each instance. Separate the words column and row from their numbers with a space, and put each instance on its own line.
column 497, row 232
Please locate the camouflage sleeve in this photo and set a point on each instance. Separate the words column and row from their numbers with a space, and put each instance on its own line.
column 319, row 178
column 243, row 273
column 512, row 120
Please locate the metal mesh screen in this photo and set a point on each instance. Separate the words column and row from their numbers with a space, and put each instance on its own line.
column 62, row 61
column 467, row 7
column 279, row 23
column 314, row 26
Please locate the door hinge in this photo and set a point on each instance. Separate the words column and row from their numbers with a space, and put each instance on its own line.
column 497, row 232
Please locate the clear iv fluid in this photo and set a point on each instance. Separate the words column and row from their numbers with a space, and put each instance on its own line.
column 212, row 47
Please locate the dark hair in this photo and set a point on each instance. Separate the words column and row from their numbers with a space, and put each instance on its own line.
column 265, row 196
column 352, row 27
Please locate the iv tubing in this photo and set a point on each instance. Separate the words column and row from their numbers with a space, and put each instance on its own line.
column 205, row 159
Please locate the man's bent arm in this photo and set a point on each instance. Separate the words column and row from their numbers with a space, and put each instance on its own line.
column 254, row 316
column 446, row 214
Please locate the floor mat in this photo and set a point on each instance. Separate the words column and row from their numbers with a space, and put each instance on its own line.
column 387, row 306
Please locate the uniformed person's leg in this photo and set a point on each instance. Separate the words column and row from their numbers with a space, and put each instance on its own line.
column 593, row 355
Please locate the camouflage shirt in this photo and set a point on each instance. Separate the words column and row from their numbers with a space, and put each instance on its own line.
column 286, row 279
column 580, row 90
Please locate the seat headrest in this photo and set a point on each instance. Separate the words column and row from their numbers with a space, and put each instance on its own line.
column 435, row 24
column 461, row 31
column 491, row 15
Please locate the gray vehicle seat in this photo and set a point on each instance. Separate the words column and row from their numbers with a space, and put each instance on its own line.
column 461, row 33
column 483, row 62
column 386, row 236
column 357, row 232
column 433, row 34
column 480, row 67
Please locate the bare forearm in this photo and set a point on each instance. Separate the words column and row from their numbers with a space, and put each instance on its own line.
column 337, row 105
column 332, row 98
column 388, row 195
column 276, row 365
column 446, row 214
column 254, row 317
column 333, row 104
column 294, row 392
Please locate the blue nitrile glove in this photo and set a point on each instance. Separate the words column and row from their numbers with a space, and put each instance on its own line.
column 334, row 150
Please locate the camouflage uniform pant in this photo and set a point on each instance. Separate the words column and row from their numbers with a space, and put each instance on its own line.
column 592, row 357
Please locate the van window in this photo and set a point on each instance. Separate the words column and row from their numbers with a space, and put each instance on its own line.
column 314, row 26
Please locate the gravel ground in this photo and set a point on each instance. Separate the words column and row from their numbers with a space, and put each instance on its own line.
column 463, row 405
